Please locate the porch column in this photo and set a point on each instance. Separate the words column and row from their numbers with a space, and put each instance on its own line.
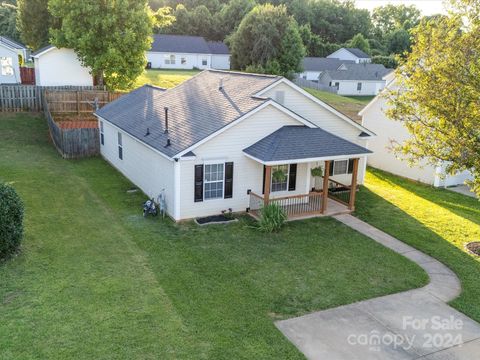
column 326, row 174
column 353, row 188
column 266, row 186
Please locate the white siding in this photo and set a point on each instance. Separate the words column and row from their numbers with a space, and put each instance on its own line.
column 310, row 75
column 247, row 173
column 59, row 67
column 349, row 87
column 148, row 170
column 221, row 62
column 9, row 53
column 191, row 60
column 323, row 118
column 344, row 54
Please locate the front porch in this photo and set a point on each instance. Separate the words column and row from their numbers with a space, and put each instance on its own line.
column 331, row 161
column 337, row 199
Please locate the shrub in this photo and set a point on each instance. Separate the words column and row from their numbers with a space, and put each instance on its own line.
column 272, row 218
column 11, row 220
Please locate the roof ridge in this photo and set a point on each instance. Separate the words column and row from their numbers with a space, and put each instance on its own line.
column 244, row 73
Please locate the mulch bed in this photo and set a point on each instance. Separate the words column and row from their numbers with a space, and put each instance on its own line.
column 215, row 219
column 474, row 247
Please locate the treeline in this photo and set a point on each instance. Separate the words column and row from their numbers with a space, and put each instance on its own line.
column 324, row 25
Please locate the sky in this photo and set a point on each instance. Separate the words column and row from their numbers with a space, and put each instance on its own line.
column 427, row 7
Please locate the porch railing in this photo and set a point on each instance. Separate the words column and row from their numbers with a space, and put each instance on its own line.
column 339, row 192
column 296, row 205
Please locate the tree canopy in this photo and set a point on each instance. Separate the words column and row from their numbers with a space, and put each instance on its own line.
column 438, row 95
column 267, row 40
column 34, row 21
column 109, row 36
column 8, row 20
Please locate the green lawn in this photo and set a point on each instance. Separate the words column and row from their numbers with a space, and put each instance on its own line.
column 96, row 280
column 436, row 221
column 349, row 105
column 164, row 78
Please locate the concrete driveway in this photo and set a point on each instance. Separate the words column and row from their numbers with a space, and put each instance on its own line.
column 416, row 324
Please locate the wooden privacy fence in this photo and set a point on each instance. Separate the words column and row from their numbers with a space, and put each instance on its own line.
column 74, row 138
column 78, row 101
column 30, row 97
column 27, row 75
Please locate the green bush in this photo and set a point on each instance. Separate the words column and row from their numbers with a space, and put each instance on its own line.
column 272, row 218
column 11, row 220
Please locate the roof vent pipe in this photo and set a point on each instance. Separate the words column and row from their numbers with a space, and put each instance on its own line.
column 168, row 143
column 148, row 132
column 220, row 87
column 166, row 120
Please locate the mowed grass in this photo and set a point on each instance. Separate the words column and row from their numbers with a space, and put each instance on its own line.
column 438, row 222
column 164, row 78
column 95, row 280
column 349, row 105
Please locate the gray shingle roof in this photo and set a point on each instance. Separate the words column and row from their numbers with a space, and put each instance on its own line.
column 300, row 142
column 180, row 44
column 359, row 72
column 218, row 47
column 197, row 108
column 322, row 64
column 12, row 43
column 358, row 53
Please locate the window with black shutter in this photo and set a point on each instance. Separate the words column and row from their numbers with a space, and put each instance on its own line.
column 330, row 170
column 228, row 193
column 263, row 182
column 292, row 177
column 198, row 185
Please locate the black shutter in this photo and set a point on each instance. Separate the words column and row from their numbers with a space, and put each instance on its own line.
column 350, row 166
column 198, row 183
column 330, row 171
column 228, row 180
column 263, row 183
column 292, row 177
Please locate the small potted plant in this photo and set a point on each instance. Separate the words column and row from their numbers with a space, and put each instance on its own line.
column 317, row 174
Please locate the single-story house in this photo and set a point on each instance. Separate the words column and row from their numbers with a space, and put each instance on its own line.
column 22, row 50
column 313, row 67
column 226, row 140
column 356, row 79
column 9, row 63
column 353, row 54
column 389, row 131
column 60, row 67
column 187, row 52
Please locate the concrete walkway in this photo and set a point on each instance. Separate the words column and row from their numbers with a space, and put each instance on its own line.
column 416, row 324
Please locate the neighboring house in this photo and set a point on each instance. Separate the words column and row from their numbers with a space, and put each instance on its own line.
column 187, row 52
column 388, row 132
column 313, row 67
column 20, row 48
column 226, row 140
column 9, row 63
column 356, row 79
column 353, row 54
column 60, row 67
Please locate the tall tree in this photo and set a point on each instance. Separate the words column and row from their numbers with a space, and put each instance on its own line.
column 390, row 17
column 109, row 36
column 268, row 39
column 8, row 20
column 398, row 41
column 439, row 92
column 34, row 21
column 230, row 16
column 359, row 42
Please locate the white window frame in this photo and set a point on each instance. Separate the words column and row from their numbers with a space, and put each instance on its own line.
column 169, row 59
column 205, row 181
column 359, row 86
column 205, row 60
column 120, row 145
column 6, row 64
column 274, row 167
column 102, row 134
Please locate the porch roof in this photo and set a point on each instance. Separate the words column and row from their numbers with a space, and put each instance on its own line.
column 297, row 144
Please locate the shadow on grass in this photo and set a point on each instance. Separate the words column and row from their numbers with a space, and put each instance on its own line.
column 462, row 205
column 387, row 217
